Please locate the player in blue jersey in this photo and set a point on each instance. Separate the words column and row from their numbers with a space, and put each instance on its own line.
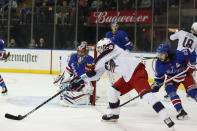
column 2, row 57
column 119, row 37
column 171, row 63
column 80, row 95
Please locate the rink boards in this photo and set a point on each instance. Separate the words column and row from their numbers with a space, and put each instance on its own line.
column 50, row 61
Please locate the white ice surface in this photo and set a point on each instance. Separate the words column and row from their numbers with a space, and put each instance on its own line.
column 26, row 91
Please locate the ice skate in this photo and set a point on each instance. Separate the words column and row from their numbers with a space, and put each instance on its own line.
column 110, row 117
column 182, row 114
column 4, row 91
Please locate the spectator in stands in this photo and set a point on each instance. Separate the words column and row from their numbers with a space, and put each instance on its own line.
column 59, row 2
column 112, row 4
column 72, row 4
column 12, row 43
column 125, row 5
column 159, row 7
column 23, row 13
column 50, row 2
column 44, row 13
column 38, row 2
column 41, row 43
column 173, row 3
column 96, row 4
column 3, row 2
column 144, row 41
column 33, row 44
column 63, row 13
column 14, row 6
column 144, row 4
column 83, row 12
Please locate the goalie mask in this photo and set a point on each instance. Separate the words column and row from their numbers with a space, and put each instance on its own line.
column 100, row 46
column 82, row 51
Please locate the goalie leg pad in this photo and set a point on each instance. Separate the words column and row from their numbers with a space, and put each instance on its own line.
column 74, row 98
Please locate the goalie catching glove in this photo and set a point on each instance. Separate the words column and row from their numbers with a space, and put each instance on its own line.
column 156, row 86
column 89, row 69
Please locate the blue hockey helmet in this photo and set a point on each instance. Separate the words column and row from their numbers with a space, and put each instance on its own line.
column 1, row 44
column 114, row 23
column 163, row 48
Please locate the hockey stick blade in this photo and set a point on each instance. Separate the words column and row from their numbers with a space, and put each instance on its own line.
column 9, row 116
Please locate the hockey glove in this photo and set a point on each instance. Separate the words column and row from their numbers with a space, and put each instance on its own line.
column 89, row 69
column 191, row 70
column 156, row 86
column 76, row 84
column 191, row 67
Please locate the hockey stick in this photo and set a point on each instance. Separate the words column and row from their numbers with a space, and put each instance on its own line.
column 146, row 58
column 60, row 60
column 164, row 82
column 61, row 75
column 20, row 117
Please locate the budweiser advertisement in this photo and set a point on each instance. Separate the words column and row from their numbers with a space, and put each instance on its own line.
column 143, row 16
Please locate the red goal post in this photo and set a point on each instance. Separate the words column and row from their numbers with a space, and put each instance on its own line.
column 93, row 53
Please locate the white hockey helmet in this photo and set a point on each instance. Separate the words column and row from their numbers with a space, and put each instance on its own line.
column 100, row 46
column 194, row 27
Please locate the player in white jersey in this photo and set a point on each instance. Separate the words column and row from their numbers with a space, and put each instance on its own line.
column 186, row 39
column 134, row 76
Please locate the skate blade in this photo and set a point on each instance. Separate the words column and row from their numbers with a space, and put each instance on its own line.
column 67, row 105
column 4, row 94
column 183, row 118
column 112, row 121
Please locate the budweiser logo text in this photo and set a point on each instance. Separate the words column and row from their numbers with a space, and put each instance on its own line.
column 121, row 17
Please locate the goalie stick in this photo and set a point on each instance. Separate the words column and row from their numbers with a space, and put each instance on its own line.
column 21, row 117
column 164, row 82
column 61, row 75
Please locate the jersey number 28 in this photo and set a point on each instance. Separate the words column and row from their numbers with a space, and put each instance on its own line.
column 187, row 42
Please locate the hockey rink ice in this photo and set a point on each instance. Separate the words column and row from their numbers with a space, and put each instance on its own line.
column 26, row 91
